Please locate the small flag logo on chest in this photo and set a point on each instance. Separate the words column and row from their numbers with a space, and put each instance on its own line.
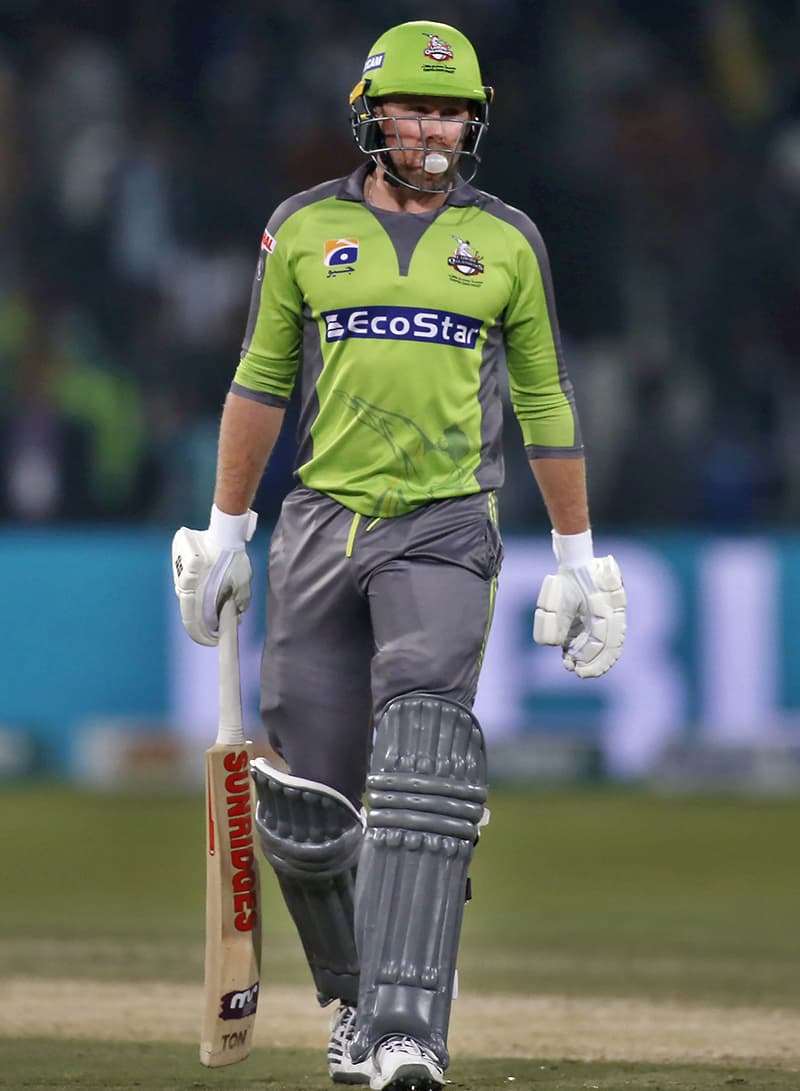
column 340, row 255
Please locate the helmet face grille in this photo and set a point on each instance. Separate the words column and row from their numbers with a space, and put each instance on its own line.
column 369, row 131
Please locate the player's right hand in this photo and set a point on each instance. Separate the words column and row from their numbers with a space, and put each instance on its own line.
column 209, row 566
column 583, row 609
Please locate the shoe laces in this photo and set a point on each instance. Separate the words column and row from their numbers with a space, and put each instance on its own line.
column 344, row 1023
column 403, row 1043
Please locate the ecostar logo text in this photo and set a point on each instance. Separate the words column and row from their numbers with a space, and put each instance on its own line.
column 402, row 324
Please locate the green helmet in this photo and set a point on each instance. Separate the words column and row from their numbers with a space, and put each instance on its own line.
column 427, row 59
column 424, row 59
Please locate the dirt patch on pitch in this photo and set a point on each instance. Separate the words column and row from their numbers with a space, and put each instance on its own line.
column 549, row 1027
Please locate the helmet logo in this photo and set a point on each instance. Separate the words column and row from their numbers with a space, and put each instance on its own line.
column 466, row 259
column 373, row 62
column 437, row 49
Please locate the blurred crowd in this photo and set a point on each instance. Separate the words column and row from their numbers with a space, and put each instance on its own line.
column 144, row 143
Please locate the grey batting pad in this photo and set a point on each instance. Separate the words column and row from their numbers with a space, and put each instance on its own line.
column 312, row 836
column 426, row 791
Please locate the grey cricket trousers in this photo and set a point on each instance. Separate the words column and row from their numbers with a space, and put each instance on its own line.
column 361, row 611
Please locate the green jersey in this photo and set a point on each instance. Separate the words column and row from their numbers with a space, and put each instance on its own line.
column 399, row 324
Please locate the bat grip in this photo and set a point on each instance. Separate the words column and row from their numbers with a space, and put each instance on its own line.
column 229, row 730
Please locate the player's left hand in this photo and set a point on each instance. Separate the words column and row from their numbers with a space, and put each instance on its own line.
column 582, row 609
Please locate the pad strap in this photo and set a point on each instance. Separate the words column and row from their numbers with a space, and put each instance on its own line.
column 312, row 835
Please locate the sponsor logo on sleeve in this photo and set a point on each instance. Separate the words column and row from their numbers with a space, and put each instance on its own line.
column 402, row 324
column 340, row 255
column 268, row 244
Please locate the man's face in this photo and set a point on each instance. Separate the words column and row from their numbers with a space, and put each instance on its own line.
column 417, row 125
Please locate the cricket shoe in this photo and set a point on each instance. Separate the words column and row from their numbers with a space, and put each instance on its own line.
column 402, row 1064
column 343, row 1030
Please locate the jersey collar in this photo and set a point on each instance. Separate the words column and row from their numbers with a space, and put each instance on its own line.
column 352, row 189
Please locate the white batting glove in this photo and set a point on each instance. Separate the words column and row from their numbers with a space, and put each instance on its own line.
column 582, row 607
column 209, row 566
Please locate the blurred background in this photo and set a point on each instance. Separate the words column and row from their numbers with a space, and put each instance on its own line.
column 143, row 147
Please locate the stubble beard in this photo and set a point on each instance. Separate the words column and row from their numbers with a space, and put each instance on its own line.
column 418, row 178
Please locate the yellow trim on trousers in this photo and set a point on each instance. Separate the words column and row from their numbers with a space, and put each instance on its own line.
column 351, row 537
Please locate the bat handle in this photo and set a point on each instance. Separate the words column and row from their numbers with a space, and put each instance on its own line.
column 230, row 730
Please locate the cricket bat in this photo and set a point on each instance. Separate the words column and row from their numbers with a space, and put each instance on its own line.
column 233, row 920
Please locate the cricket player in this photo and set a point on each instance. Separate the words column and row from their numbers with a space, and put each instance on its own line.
column 394, row 296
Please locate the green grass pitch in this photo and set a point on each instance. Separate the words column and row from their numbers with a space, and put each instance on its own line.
column 594, row 894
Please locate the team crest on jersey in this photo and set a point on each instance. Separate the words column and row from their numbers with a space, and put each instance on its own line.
column 466, row 259
column 268, row 244
column 340, row 255
column 437, row 49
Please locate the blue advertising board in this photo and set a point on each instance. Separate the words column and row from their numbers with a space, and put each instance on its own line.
column 92, row 632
